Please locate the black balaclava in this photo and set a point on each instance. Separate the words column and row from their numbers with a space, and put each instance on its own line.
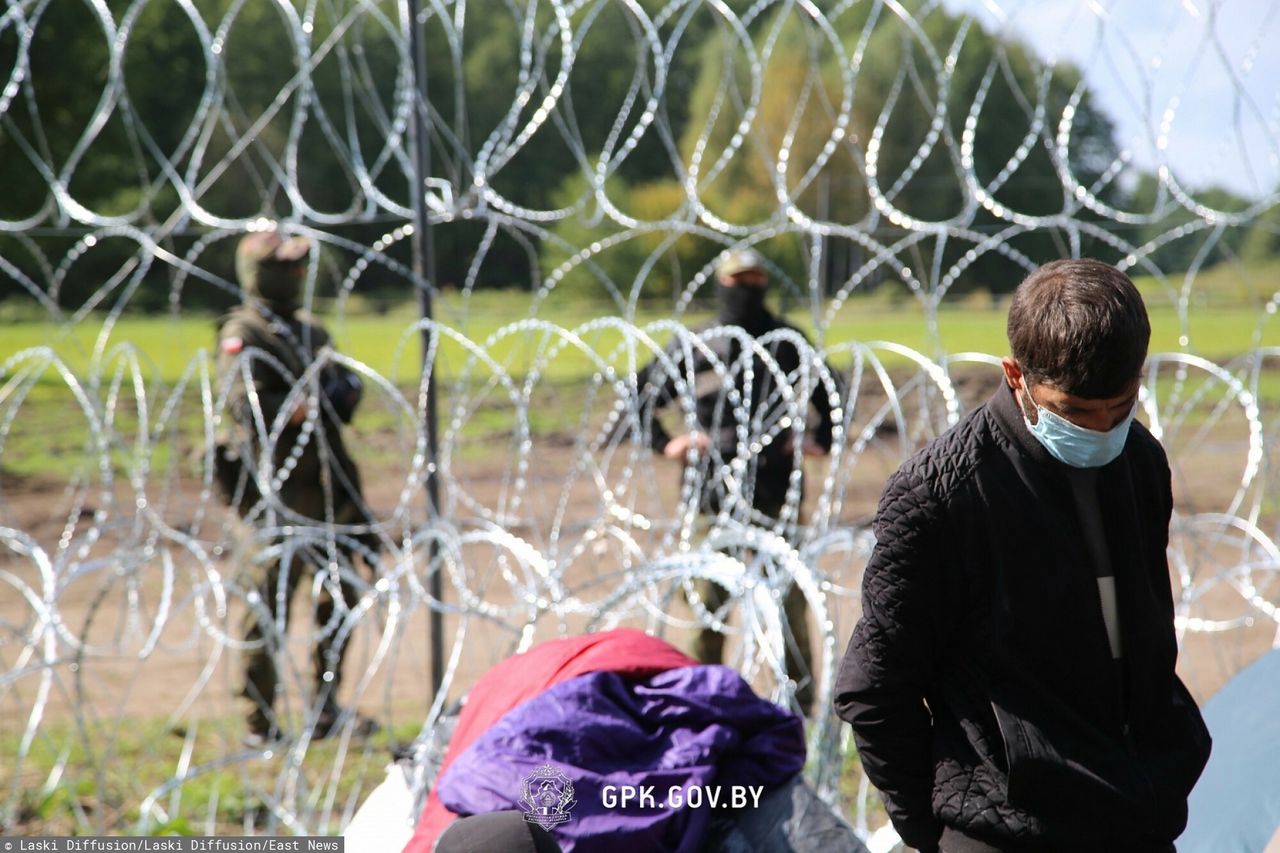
column 742, row 305
column 271, row 269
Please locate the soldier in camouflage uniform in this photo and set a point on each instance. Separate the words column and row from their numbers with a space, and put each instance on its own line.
column 267, row 346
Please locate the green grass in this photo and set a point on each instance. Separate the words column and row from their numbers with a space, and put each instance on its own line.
column 46, row 434
column 389, row 344
column 1219, row 334
column 165, row 346
column 1224, row 285
column 105, row 775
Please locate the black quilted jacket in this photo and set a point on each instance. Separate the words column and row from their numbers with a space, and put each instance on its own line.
column 979, row 681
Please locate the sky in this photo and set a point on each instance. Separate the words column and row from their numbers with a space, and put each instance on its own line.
column 1192, row 85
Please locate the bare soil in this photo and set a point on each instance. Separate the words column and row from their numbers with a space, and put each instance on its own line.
column 112, row 608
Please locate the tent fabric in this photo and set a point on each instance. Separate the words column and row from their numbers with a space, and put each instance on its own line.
column 1235, row 806
column 383, row 821
column 695, row 727
column 790, row 819
column 630, row 653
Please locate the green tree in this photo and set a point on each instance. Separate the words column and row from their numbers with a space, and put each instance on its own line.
column 898, row 91
column 1261, row 242
column 1178, row 235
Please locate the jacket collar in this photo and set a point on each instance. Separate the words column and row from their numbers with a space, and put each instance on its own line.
column 1004, row 407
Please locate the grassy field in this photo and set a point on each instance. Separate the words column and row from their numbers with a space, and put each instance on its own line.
column 44, row 435
column 134, row 760
column 166, row 345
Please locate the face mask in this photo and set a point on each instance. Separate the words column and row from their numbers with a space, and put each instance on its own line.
column 1075, row 445
column 741, row 305
column 278, row 285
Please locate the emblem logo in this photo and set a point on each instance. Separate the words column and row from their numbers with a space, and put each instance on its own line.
column 546, row 795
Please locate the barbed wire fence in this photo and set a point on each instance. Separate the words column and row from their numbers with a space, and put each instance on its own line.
column 862, row 126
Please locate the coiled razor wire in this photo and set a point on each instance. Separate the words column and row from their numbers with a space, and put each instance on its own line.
column 126, row 579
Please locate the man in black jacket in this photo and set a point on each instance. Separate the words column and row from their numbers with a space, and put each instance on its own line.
column 759, row 403
column 1011, row 683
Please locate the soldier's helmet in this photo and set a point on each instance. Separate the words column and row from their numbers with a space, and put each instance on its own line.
column 271, row 266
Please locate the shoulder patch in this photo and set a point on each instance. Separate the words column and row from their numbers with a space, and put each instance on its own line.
column 232, row 345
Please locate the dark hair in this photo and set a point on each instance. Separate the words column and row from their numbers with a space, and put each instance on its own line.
column 1080, row 326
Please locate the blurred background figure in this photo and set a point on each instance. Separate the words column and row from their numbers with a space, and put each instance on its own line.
column 734, row 392
column 287, row 435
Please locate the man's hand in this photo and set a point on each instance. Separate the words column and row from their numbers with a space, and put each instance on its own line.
column 679, row 446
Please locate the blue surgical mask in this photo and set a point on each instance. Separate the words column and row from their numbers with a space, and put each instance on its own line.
column 1074, row 445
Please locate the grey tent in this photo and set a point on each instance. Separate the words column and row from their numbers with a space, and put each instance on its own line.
column 1235, row 807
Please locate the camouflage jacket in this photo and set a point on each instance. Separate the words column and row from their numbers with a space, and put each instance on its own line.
column 265, row 358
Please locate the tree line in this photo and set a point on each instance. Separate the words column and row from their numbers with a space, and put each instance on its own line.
column 672, row 130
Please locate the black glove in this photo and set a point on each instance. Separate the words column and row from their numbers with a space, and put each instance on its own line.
column 343, row 389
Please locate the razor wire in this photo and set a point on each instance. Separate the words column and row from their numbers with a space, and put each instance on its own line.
column 822, row 135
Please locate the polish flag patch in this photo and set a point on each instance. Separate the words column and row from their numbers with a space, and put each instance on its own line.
column 232, row 345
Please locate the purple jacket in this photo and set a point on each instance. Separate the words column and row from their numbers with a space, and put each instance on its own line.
column 693, row 726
